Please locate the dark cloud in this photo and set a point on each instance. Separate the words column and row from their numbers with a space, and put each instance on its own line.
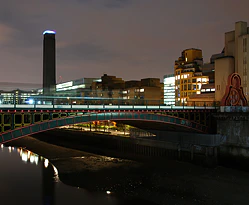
column 84, row 52
column 132, row 39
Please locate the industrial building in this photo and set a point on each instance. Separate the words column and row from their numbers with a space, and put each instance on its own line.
column 49, row 63
column 235, row 60
column 145, row 91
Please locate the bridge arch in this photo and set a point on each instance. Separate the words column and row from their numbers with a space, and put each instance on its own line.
column 90, row 117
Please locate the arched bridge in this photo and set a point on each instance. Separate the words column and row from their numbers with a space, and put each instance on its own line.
column 18, row 119
column 90, row 117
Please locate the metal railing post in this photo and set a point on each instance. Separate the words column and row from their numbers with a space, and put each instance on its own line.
column 52, row 102
column 35, row 101
column 14, row 99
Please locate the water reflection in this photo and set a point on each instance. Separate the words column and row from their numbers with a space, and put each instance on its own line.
column 48, row 185
column 28, row 156
column 49, row 174
column 23, row 171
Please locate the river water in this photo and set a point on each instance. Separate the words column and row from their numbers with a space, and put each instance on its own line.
column 26, row 178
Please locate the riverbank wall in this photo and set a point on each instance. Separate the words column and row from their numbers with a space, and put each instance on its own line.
column 141, row 149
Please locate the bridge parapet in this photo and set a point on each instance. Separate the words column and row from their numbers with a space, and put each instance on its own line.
column 234, row 109
column 56, row 102
column 234, row 126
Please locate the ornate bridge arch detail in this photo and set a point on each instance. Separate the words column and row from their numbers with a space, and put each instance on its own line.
column 234, row 95
column 52, row 124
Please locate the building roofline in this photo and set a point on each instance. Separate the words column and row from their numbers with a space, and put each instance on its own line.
column 193, row 49
column 169, row 75
column 224, row 57
column 230, row 32
column 150, row 78
column 240, row 22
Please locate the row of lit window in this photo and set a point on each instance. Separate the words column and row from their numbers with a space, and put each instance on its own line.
column 189, row 87
column 13, row 94
column 136, row 91
column 169, row 97
column 194, row 80
column 183, row 76
column 169, row 91
column 208, row 90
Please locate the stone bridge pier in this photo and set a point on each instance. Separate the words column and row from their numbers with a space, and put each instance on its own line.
column 234, row 127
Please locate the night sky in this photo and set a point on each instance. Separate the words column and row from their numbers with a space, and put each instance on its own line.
column 131, row 39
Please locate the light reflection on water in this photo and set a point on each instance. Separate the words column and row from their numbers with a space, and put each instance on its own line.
column 31, row 179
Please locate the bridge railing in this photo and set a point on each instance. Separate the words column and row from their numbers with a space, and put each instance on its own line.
column 88, row 102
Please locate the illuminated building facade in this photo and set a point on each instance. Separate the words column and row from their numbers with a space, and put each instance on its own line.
column 206, row 98
column 16, row 96
column 169, row 89
column 10, row 92
column 75, row 88
column 188, row 75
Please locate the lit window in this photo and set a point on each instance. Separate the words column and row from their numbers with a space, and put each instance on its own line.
column 204, row 79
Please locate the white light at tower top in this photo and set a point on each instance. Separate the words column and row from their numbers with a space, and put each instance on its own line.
column 49, row 32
